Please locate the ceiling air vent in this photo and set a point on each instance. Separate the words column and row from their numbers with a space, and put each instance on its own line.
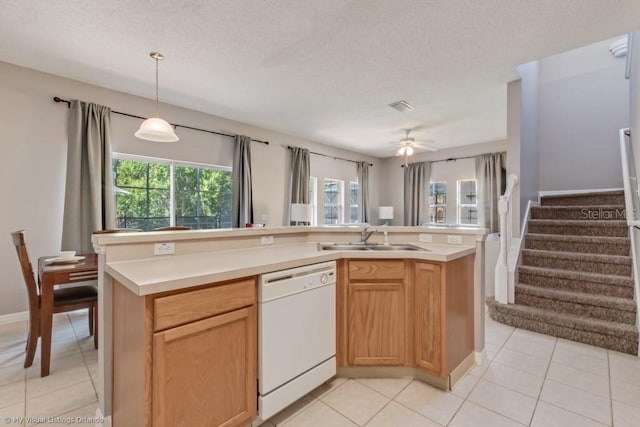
column 402, row 106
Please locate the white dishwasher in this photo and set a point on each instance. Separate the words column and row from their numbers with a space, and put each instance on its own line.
column 296, row 334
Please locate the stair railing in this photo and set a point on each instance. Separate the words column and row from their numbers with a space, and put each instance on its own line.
column 631, row 192
column 506, row 229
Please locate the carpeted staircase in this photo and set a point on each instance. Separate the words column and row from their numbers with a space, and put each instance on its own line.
column 575, row 280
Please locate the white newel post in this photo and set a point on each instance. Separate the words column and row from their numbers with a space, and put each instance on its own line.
column 502, row 270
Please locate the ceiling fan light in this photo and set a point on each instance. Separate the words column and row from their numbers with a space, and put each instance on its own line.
column 401, row 151
column 156, row 129
column 409, row 150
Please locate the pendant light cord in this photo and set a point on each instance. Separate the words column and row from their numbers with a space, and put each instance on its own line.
column 157, row 96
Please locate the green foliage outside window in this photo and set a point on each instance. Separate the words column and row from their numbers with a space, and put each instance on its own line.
column 143, row 197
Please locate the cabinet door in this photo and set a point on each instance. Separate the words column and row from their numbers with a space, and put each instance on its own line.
column 204, row 373
column 376, row 333
column 428, row 321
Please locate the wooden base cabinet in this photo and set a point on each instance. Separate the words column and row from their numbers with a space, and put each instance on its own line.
column 376, row 314
column 376, row 324
column 405, row 312
column 186, row 358
column 428, row 315
column 204, row 372
column 443, row 307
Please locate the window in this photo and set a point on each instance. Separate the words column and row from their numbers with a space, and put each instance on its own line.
column 467, row 202
column 153, row 193
column 353, row 201
column 438, row 202
column 333, row 201
column 313, row 199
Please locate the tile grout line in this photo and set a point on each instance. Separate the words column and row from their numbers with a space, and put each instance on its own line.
column 364, row 385
column 544, row 380
column 466, row 398
column 610, row 387
column 501, row 385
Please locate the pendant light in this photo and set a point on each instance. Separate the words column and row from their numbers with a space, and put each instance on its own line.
column 155, row 128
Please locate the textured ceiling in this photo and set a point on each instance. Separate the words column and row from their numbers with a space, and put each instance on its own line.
column 323, row 69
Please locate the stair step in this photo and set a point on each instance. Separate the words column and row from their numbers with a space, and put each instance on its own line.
column 612, row 228
column 577, row 281
column 620, row 310
column 579, row 212
column 601, row 333
column 583, row 244
column 592, row 263
column 585, row 199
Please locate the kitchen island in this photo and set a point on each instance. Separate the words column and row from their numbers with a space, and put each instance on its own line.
column 163, row 307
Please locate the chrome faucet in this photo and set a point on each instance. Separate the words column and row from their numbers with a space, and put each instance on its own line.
column 367, row 232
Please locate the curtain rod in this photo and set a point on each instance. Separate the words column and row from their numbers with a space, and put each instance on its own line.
column 453, row 159
column 333, row 157
column 66, row 101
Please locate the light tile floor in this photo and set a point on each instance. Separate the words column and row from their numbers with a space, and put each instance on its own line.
column 527, row 379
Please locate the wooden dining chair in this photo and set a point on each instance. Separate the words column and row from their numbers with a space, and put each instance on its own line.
column 172, row 228
column 64, row 299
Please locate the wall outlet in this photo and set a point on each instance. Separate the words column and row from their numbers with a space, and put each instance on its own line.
column 266, row 240
column 425, row 238
column 454, row 240
column 164, row 249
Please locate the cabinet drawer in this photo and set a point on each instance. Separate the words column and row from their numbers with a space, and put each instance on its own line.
column 189, row 306
column 368, row 270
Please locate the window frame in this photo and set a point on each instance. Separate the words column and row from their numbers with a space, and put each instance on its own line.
column 461, row 205
column 339, row 199
column 434, row 206
column 172, row 165
column 313, row 199
column 351, row 206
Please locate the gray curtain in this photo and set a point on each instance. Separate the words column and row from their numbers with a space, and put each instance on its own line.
column 241, row 176
column 416, row 193
column 363, row 193
column 300, row 170
column 89, row 201
column 490, row 177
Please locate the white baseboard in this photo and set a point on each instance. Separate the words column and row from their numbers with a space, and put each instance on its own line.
column 101, row 420
column 563, row 192
column 14, row 317
column 479, row 357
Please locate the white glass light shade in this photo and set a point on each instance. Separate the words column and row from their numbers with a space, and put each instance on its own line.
column 385, row 212
column 156, row 129
column 300, row 212
column 405, row 149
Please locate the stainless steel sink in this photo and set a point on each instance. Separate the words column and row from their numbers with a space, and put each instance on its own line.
column 368, row 247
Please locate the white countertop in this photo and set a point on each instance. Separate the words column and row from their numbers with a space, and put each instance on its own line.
column 165, row 273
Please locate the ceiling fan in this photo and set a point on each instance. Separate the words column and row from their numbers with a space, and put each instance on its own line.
column 407, row 146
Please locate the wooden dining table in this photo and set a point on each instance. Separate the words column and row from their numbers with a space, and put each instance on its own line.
column 52, row 274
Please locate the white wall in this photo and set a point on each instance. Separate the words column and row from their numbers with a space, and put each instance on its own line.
column 583, row 101
column 34, row 143
column 393, row 175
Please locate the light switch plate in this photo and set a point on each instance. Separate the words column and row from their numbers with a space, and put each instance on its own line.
column 164, row 249
column 425, row 238
column 266, row 240
column 454, row 240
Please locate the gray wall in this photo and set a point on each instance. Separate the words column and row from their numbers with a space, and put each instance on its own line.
column 634, row 98
column 34, row 143
column 529, row 163
column 513, row 146
column 583, row 101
